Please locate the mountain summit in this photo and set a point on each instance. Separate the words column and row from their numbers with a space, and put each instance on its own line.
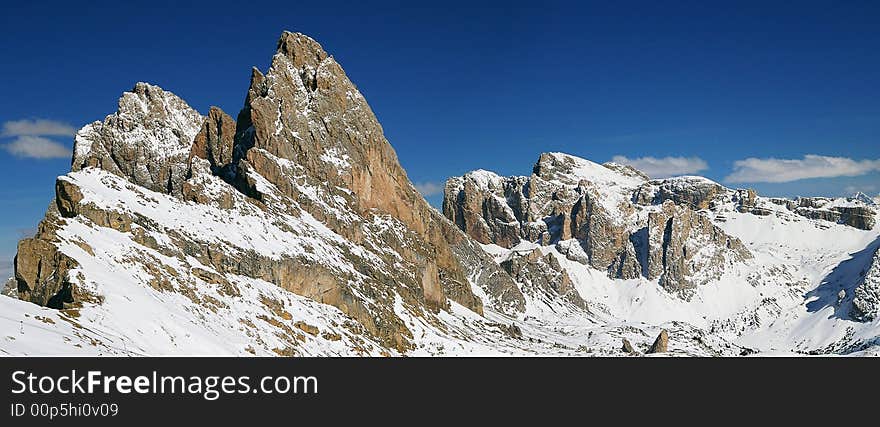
column 292, row 229
column 302, row 192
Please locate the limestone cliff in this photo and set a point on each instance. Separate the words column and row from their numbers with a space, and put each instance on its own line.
column 617, row 218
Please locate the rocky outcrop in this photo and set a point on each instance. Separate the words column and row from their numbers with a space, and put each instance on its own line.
column 551, row 205
column 147, row 140
column 215, row 141
column 855, row 212
column 700, row 193
column 686, row 250
column 693, row 191
column 661, row 344
column 603, row 239
column 606, row 216
column 627, row 347
column 548, row 207
column 628, row 263
column 487, row 207
column 304, row 112
column 747, row 201
column 866, row 300
column 41, row 270
column 861, row 217
column 67, row 198
column 542, row 276
column 503, row 293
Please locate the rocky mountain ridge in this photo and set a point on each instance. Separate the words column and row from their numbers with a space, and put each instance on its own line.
column 589, row 212
column 701, row 193
column 292, row 229
column 305, row 146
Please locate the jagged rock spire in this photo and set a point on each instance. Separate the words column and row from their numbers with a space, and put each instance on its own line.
column 147, row 140
column 306, row 162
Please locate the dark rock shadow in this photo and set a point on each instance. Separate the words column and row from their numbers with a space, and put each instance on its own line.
column 639, row 240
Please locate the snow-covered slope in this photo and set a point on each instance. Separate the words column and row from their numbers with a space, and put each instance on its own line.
column 831, row 261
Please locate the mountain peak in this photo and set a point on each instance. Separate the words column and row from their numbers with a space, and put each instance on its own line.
column 301, row 49
column 571, row 170
column 864, row 198
column 147, row 140
column 142, row 88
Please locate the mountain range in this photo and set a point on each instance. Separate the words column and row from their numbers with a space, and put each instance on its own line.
column 292, row 229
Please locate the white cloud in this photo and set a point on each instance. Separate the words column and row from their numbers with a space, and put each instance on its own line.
column 38, row 127
column 664, row 167
column 787, row 170
column 428, row 188
column 36, row 147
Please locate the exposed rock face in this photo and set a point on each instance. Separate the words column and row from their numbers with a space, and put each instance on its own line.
column 514, row 331
column 747, row 202
column 627, row 347
column 306, row 113
column 147, row 140
column 482, row 207
column 41, row 269
column 503, row 293
column 601, row 237
column 861, row 217
column 685, row 249
column 700, row 193
column 854, row 212
column 661, row 344
column 542, row 276
column 866, row 302
column 68, row 198
column 607, row 216
column 692, row 191
column 215, row 141
column 550, row 206
column 313, row 200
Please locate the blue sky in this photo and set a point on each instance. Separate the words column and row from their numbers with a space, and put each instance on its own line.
column 466, row 85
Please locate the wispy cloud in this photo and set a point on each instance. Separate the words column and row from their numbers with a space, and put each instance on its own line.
column 787, row 170
column 36, row 147
column 428, row 188
column 30, row 138
column 664, row 167
column 36, row 127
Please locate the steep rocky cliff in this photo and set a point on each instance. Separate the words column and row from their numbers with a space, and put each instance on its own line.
column 704, row 194
column 566, row 198
column 866, row 300
column 305, row 166
column 147, row 140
